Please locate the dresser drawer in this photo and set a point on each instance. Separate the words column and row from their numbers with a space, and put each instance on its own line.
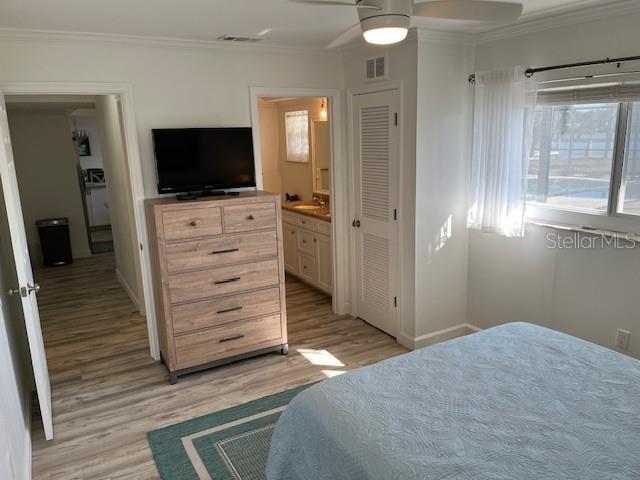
column 244, row 218
column 306, row 242
column 227, row 340
column 221, row 310
column 191, row 223
column 201, row 284
column 215, row 252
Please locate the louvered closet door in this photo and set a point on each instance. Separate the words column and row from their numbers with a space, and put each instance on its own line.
column 376, row 152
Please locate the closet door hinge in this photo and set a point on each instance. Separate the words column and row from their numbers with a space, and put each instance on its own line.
column 395, row 214
column 395, row 119
column 395, row 302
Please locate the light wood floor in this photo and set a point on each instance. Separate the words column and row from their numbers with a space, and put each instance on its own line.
column 108, row 393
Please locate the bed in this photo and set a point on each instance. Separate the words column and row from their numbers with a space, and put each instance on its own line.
column 516, row 401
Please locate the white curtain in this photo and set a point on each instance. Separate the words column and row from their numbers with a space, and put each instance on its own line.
column 297, row 135
column 502, row 127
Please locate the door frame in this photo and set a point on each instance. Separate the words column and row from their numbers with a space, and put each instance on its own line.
column 340, row 199
column 399, row 276
column 134, row 167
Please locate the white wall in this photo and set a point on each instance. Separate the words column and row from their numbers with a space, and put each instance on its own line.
column 402, row 67
column 587, row 293
column 173, row 86
column 116, row 171
column 435, row 122
column 270, row 147
column 46, row 167
column 15, row 371
column 442, row 172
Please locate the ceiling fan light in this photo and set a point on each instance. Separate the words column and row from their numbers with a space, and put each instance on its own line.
column 385, row 29
column 385, row 35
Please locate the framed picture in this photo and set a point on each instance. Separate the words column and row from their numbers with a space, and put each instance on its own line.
column 81, row 141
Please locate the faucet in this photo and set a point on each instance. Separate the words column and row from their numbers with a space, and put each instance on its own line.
column 320, row 200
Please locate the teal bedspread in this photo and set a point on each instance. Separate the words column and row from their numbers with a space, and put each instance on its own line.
column 516, row 401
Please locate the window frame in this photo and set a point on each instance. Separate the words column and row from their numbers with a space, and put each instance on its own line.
column 611, row 219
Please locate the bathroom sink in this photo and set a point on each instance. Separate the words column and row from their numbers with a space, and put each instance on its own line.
column 308, row 207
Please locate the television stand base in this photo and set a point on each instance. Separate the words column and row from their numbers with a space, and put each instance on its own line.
column 212, row 193
column 183, row 197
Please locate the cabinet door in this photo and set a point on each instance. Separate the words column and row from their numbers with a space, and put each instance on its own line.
column 324, row 262
column 308, row 268
column 98, row 207
column 290, row 244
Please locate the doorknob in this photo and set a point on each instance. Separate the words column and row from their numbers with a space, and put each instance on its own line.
column 356, row 223
column 14, row 291
column 33, row 288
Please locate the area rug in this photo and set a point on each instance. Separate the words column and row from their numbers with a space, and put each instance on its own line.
column 232, row 444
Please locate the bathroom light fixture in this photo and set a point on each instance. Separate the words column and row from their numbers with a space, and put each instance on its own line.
column 323, row 110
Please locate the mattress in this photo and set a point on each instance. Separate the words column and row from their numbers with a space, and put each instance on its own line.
column 516, row 401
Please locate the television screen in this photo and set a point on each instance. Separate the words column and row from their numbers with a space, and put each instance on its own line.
column 195, row 159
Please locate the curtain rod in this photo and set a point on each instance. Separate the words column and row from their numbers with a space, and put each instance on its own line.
column 530, row 72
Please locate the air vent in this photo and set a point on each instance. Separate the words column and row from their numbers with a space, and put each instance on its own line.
column 237, row 38
column 377, row 68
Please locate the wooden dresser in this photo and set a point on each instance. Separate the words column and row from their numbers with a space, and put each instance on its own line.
column 218, row 279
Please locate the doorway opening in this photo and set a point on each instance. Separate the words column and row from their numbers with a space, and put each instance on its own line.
column 298, row 137
column 295, row 150
column 78, row 254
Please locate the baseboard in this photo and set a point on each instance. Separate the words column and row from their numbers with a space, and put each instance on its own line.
column 128, row 289
column 437, row 336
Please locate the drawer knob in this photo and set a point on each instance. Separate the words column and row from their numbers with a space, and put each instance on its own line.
column 250, row 217
column 304, row 241
column 228, row 339
column 193, row 223
column 315, row 240
column 228, row 280
column 227, row 310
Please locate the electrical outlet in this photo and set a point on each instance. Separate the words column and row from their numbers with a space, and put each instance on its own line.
column 622, row 339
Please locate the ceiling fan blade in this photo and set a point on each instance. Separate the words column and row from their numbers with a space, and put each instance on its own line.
column 335, row 4
column 346, row 37
column 476, row 10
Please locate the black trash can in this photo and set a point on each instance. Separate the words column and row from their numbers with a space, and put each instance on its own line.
column 54, row 241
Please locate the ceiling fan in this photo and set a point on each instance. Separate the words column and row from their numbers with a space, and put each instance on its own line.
column 384, row 22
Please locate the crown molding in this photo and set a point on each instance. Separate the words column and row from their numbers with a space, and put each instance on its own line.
column 28, row 35
column 560, row 17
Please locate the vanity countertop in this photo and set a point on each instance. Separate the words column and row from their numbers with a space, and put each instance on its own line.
column 321, row 213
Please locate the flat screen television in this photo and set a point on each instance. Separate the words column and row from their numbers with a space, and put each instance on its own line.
column 203, row 159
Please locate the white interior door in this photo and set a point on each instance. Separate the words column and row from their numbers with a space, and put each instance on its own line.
column 375, row 227
column 27, row 289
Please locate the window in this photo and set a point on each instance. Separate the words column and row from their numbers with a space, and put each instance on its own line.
column 585, row 151
column 297, row 136
column 572, row 155
column 629, row 197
